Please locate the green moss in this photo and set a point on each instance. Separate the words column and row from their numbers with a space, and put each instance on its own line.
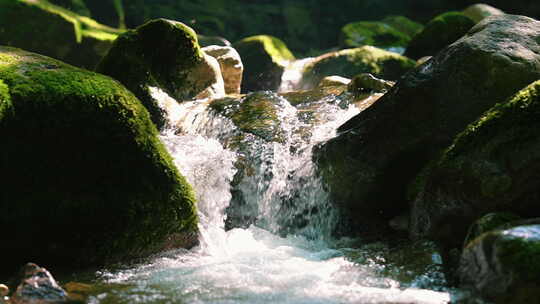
column 54, row 31
column 372, row 33
column 255, row 114
column 438, row 33
column 351, row 62
column 160, row 53
column 103, row 186
column 488, row 222
column 519, row 250
column 264, row 58
column 404, row 25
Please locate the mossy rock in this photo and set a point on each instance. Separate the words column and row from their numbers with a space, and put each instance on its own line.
column 477, row 12
column 41, row 27
column 503, row 266
column 490, row 167
column 85, row 178
column 438, row 33
column 489, row 222
column 350, row 62
column 160, row 53
column 264, row 58
column 378, row 153
column 404, row 25
column 373, row 33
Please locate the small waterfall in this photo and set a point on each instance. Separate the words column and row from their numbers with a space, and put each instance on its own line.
column 283, row 256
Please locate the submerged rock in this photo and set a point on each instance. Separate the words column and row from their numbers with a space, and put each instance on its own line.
column 38, row 286
column 265, row 58
column 492, row 166
column 38, row 26
column 350, row 62
column 440, row 32
column 369, row 165
column 503, row 266
column 230, row 64
column 165, row 54
column 477, row 12
column 85, row 178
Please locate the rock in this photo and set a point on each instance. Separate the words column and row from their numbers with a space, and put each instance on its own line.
column 231, row 66
column 490, row 167
column 400, row 222
column 4, row 291
column 367, row 83
column 333, row 81
column 477, row 12
column 350, row 62
column 374, row 33
column 438, row 33
column 489, row 222
column 422, row 60
column 502, row 266
column 53, row 31
column 384, row 147
column 103, row 187
column 165, row 54
column 403, row 24
column 205, row 41
column 265, row 58
column 38, row 286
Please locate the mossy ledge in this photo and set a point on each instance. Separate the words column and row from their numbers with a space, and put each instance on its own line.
column 85, row 179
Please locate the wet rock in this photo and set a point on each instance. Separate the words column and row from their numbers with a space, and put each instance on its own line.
column 490, row 167
column 489, row 222
column 205, row 41
column 4, row 291
column 329, row 81
column 438, row 33
column 230, row 64
column 503, row 266
column 350, row 62
column 38, row 286
column 369, row 165
column 165, row 54
column 58, row 121
column 53, row 31
column 477, row 12
column 367, row 83
column 264, row 58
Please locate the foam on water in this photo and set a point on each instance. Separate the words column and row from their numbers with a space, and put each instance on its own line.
column 254, row 265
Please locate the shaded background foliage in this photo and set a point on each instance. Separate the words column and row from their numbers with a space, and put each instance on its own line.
column 306, row 26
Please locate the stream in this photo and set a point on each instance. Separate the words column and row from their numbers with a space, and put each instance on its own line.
column 287, row 253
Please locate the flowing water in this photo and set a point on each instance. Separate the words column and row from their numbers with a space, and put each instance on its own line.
column 287, row 254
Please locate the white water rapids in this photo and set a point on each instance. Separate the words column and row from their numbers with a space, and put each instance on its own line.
column 256, row 264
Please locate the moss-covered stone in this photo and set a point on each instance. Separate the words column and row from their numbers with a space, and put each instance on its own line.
column 488, row 222
column 85, row 179
column 490, row 167
column 160, row 53
column 438, row 33
column 504, row 266
column 351, row 62
column 404, row 25
column 264, row 58
column 377, row 153
column 477, row 12
column 373, row 33
column 42, row 27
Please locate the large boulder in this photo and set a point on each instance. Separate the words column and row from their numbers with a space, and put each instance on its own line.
column 41, row 27
column 230, row 64
column 265, row 58
column 374, row 33
column 369, row 165
column 85, row 179
column 491, row 167
column 503, row 265
column 350, row 62
column 438, row 33
column 165, row 54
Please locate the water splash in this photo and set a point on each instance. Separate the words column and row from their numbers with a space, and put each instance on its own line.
column 256, row 265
